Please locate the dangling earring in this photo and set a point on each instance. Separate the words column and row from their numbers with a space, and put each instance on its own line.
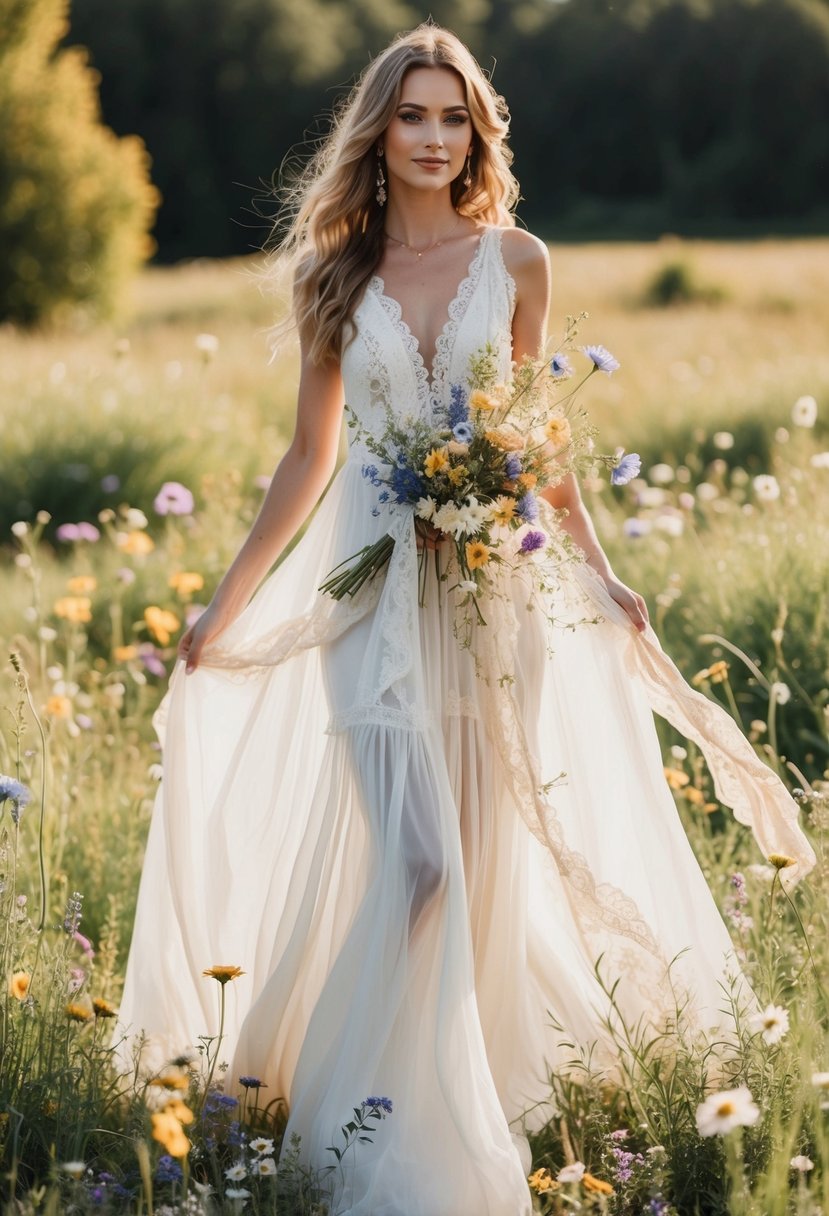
column 467, row 180
column 381, row 195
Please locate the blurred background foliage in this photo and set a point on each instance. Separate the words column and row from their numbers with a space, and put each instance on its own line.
column 630, row 117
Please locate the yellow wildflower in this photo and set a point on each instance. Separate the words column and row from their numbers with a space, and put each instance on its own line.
column 74, row 608
column 82, row 584
column 160, row 623
column 597, row 1185
column 58, row 706
column 503, row 509
column 780, row 861
column 558, row 431
column 179, row 1110
column 457, row 474
column 123, row 654
column 542, row 1182
column 694, row 796
column 168, row 1131
column 223, row 974
column 136, row 544
column 436, row 461
column 505, row 437
column 78, row 1013
column 477, row 554
column 172, row 1079
column 676, row 778
column 185, row 582
column 479, row 400
column 718, row 671
column 102, row 1008
column 19, row 985
column 527, row 481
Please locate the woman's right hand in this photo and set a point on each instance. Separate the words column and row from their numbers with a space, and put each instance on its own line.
column 209, row 625
column 427, row 536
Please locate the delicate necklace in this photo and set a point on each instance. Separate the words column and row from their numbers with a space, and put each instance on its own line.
column 434, row 244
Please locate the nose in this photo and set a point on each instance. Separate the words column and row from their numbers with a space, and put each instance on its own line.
column 435, row 139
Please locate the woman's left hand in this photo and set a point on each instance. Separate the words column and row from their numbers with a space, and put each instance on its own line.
column 631, row 601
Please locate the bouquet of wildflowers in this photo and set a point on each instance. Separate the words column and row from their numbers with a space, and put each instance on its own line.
column 473, row 474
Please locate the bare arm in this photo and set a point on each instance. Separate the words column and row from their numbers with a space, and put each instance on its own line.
column 527, row 260
column 300, row 478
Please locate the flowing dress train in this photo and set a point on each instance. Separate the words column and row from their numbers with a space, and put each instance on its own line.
column 357, row 810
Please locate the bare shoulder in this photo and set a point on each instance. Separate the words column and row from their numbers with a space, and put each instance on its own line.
column 525, row 256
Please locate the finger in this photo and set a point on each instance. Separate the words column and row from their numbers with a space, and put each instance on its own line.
column 193, row 656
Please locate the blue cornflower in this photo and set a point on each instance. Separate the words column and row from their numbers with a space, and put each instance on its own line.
column 15, row 792
column 527, row 508
column 462, row 432
column 626, row 468
column 168, row 1170
column 407, row 485
column 512, row 465
column 383, row 1103
column 252, row 1083
column 532, row 541
column 560, row 365
column 236, row 1136
column 602, row 358
column 458, row 408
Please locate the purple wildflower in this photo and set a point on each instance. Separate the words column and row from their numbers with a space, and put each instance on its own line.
column 173, row 499
column 152, row 660
column 252, row 1083
column 168, row 1170
column 532, row 541
column 67, row 532
column 627, row 467
column 601, row 358
column 383, row 1103
column 77, row 975
column 462, row 432
column 527, row 507
column 17, row 793
column 620, row 1134
column 657, row 1207
column 560, row 366
column 512, row 465
column 458, row 408
column 87, row 531
column 738, row 882
column 72, row 915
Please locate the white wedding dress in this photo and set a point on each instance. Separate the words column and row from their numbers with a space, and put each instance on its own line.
column 357, row 818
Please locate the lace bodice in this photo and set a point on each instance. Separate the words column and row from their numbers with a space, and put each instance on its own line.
column 383, row 362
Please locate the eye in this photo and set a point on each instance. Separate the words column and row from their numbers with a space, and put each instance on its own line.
column 457, row 120
column 409, row 114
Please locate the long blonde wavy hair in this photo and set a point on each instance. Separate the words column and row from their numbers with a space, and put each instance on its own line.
column 335, row 236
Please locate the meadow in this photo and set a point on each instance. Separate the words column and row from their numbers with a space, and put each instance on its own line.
column 724, row 390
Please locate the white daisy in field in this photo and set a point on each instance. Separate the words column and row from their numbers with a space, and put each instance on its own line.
column 237, row 1172
column 802, row 1164
column 820, row 1080
column 425, row 507
column 804, row 412
column 206, row 344
column 721, row 1113
column 262, row 1146
column 571, row 1173
column 766, row 487
column 772, row 1022
column 74, row 1169
column 237, row 1192
column 265, row 1167
column 723, row 440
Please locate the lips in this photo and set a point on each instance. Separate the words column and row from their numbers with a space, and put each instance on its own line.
column 430, row 160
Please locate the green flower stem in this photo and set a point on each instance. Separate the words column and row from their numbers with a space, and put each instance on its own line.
column 367, row 562
column 219, row 1038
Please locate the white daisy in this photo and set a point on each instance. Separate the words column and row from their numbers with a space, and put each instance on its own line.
column 262, row 1146
column 802, row 1164
column 74, row 1169
column 820, row 1080
column 766, row 487
column 237, row 1172
column 772, row 1022
column 265, row 1167
column 425, row 507
column 722, row 1112
column 804, row 412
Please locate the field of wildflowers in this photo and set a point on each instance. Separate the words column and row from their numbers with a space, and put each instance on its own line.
column 134, row 461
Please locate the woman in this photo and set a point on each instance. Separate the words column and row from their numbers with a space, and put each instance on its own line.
column 353, row 814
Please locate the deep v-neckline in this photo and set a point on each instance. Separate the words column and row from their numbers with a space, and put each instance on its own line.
column 429, row 379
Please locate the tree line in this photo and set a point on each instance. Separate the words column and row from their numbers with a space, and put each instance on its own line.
column 628, row 116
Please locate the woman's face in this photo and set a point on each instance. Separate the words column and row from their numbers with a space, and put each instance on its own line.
column 427, row 142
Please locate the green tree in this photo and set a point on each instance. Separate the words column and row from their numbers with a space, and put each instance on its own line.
column 76, row 203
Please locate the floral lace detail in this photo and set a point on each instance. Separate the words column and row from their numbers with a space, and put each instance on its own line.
column 380, row 715
column 460, row 707
column 429, row 391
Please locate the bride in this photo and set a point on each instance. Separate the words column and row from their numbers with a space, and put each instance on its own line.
column 360, row 813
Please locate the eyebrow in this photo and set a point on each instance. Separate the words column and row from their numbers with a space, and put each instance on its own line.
column 411, row 105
